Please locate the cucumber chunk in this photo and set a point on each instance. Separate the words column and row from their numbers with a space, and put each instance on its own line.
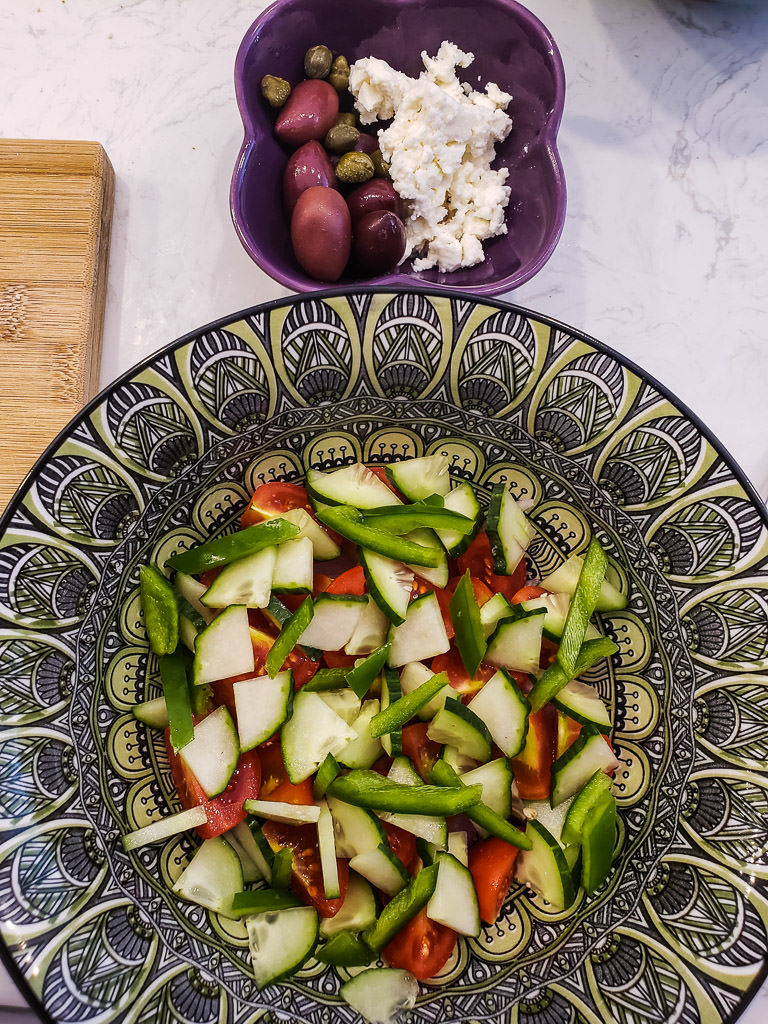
column 370, row 633
column 288, row 814
column 588, row 754
column 345, row 703
column 312, row 731
column 323, row 545
column 545, row 869
column 153, row 713
column 496, row 779
column 509, row 531
column 157, row 831
column 294, row 567
column 261, row 705
column 357, row 830
column 365, row 750
column 436, row 575
column 504, row 709
column 461, row 499
column 334, row 621
column 327, row 845
column 358, row 911
column 420, row 477
column 583, row 704
column 430, row 828
column 566, row 576
column 212, row 877
column 381, row 868
column 247, row 581
column 516, row 643
column 381, row 994
column 280, row 941
column 421, row 636
column 352, row 485
column 412, row 676
column 461, row 728
column 454, row 901
column 492, row 613
column 224, row 648
column 389, row 583
column 213, row 753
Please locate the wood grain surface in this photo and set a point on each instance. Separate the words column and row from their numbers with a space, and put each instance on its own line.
column 56, row 202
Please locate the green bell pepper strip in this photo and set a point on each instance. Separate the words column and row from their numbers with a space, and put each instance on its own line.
column 200, row 699
column 404, row 708
column 596, row 792
column 223, row 550
column 583, row 603
column 173, row 676
column 401, row 519
column 277, row 612
column 282, row 868
column 260, row 900
column 555, row 678
column 365, row 788
column 288, row 636
column 484, row 816
column 327, row 679
column 465, row 616
column 361, row 677
column 345, row 950
column 598, row 843
column 401, row 909
column 350, row 523
column 161, row 611
column 326, row 773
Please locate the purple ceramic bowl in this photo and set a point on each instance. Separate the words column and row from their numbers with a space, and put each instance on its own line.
column 511, row 47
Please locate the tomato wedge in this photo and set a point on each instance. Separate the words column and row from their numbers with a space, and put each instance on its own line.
column 458, row 677
column 225, row 810
column 402, row 843
column 479, row 560
column 269, row 500
column 307, row 878
column 350, row 582
column 492, row 863
column 275, row 784
column 423, row 947
column 422, row 751
column 533, row 766
column 526, row 594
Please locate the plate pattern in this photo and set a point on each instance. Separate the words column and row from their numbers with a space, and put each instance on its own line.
column 169, row 454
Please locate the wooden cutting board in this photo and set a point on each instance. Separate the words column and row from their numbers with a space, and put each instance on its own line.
column 56, row 202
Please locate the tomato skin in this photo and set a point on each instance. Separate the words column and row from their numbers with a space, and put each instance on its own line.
column 479, row 561
column 492, row 864
column 307, row 877
column 275, row 783
column 532, row 768
column 402, row 843
column 270, row 499
column 225, row 810
column 422, row 947
column 422, row 751
column 350, row 582
column 458, row 677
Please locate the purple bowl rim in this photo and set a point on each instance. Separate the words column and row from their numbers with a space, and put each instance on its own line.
column 549, row 140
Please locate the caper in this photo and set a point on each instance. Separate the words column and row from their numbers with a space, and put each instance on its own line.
column 275, row 90
column 341, row 138
column 347, row 118
column 380, row 165
column 339, row 76
column 354, row 168
column 317, row 62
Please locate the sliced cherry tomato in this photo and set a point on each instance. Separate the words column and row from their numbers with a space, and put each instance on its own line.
column 492, row 863
column 350, row 582
column 479, row 560
column 458, row 677
column 307, row 880
column 320, row 583
column 338, row 659
column 422, row 751
column 526, row 594
column 275, row 783
column 225, row 810
column 533, row 766
column 423, row 947
column 482, row 592
column 269, row 500
column 402, row 843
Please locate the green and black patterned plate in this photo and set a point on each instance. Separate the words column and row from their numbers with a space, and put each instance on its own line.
column 168, row 455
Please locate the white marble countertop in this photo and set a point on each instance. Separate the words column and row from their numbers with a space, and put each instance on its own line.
column 664, row 140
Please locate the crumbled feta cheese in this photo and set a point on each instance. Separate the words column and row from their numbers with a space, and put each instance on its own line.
column 439, row 147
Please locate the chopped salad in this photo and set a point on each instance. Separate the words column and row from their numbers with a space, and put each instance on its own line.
column 375, row 722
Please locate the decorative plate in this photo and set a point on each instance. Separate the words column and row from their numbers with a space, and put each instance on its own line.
column 168, row 455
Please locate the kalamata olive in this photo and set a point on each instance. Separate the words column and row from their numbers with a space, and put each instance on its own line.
column 366, row 143
column 376, row 194
column 321, row 233
column 307, row 167
column 308, row 113
column 379, row 242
